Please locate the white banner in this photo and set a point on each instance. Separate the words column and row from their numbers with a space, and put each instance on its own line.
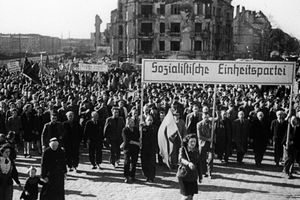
column 14, row 66
column 219, row 72
column 93, row 67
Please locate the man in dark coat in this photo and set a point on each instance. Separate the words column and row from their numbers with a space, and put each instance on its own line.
column 53, row 172
column 52, row 129
column 278, row 130
column 149, row 137
column 94, row 135
column 192, row 119
column 241, row 133
column 223, row 136
column 72, row 137
column 260, row 135
column 292, row 146
column 113, row 134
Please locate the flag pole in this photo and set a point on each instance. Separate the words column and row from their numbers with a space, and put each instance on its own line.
column 213, row 115
column 41, row 68
column 141, row 112
column 289, row 124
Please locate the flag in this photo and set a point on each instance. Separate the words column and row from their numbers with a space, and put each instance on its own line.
column 166, row 130
column 32, row 71
column 45, row 69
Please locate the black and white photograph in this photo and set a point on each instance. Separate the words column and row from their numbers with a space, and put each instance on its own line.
column 149, row 99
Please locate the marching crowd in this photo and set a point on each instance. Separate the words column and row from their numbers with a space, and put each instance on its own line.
column 104, row 112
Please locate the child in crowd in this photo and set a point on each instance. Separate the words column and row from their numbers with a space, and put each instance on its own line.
column 30, row 191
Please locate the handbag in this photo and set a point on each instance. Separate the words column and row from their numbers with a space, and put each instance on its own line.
column 183, row 169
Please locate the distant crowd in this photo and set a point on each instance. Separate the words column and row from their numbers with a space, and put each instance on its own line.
column 96, row 111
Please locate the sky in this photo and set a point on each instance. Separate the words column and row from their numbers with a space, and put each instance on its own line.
column 76, row 18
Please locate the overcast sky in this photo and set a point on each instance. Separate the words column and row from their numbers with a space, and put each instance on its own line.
column 76, row 18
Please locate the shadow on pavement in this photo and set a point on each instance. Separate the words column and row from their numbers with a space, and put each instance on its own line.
column 212, row 188
column 73, row 192
column 218, row 176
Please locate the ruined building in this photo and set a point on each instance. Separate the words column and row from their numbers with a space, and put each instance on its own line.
column 251, row 31
column 182, row 29
column 98, row 23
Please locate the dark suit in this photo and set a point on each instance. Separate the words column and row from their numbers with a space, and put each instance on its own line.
column 113, row 133
column 278, row 130
column 292, row 149
column 191, row 122
column 148, row 151
column 260, row 135
column 52, row 130
column 223, row 138
column 28, row 127
column 71, row 138
column 241, row 134
column 94, row 134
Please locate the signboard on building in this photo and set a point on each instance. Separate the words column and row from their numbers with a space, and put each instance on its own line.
column 13, row 66
column 92, row 67
column 218, row 72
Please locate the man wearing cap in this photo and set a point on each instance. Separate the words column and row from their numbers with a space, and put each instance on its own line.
column 53, row 172
column 51, row 129
column 113, row 134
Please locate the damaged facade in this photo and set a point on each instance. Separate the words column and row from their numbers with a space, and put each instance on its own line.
column 182, row 29
column 251, row 32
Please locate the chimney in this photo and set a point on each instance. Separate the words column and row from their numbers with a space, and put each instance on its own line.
column 237, row 11
column 243, row 9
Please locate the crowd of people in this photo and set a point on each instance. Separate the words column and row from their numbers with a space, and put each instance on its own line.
column 103, row 111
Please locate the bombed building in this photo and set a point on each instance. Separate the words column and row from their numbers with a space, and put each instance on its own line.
column 182, row 29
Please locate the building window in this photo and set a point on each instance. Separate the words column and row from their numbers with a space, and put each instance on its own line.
column 175, row 46
column 146, row 46
column 162, row 27
column 175, row 27
column 219, row 12
column 198, row 46
column 198, row 27
column 200, row 9
column 120, row 46
column 120, row 30
column 162, row 9
column 161, row 45
column 207, row 10
column 146, row 10
column 146, row 28
column 175, row 9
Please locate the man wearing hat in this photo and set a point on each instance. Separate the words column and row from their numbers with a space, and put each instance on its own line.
column 53, row 171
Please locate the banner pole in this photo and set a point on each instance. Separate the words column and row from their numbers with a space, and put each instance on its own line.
column 290, row 113
column 213, row 115
column 141, row 112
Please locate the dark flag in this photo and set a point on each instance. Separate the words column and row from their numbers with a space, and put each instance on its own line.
column 32, row 71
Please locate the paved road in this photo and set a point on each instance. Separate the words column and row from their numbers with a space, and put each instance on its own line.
column 229, row 181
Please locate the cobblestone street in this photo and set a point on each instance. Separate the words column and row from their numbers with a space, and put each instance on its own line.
column 229, row 181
